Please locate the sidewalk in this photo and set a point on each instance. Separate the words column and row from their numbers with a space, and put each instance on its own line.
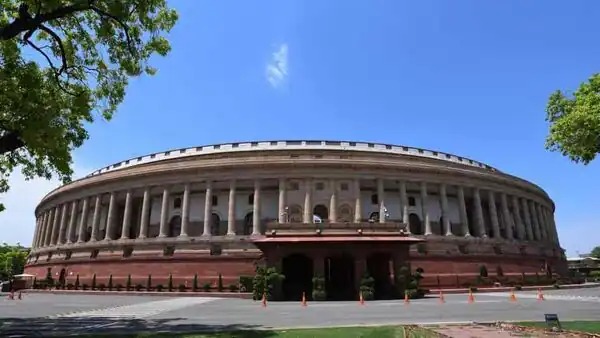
column 509, row 288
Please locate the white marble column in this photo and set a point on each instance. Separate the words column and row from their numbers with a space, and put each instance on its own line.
column 208, row 209
column 164, row 214
column 256, row 217
column 507, row 218
column 357, row 202
column 126, row 225
column 479, row 221
column 96, row 218
column 282, row 212
column 404, row 204
column 527, row 219
column 518, row 220
column 424, row 211
column 145, row 217
column 55, row 225
column 63, row 224
column 493, row 214
column 185, row 211
column 462, row 210
column 41, row 236
column 49, row 224
column 83, row 221
column 333, row 202
column 231, row 209
column 72, row 220
column 308, row 216
column 534, row 220
column 381, row 198
column 446, row 227
column 110, row 217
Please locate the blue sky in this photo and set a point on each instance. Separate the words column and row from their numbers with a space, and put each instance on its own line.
column 468, row 77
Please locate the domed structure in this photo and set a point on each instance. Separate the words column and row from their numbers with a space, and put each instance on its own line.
column 329, row 208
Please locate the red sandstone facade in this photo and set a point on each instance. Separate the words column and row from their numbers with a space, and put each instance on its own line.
column 320, row 206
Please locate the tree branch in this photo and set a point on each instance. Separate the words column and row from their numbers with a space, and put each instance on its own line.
column 10, row 141
column 120, row 22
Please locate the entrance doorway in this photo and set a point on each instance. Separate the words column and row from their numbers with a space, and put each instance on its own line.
column 321, row 211
column 378, row 266
column 298, row 272
column 339, row 278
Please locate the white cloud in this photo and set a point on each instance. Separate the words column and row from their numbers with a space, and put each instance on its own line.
column 17, row 222
column 277, row 68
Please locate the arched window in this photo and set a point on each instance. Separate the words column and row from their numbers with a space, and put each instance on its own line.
column 295, row 214
column 177, row 203
column 215, row 225
column 345, row 213
column 215, row 200
column 411, row 201
column 321, row 211
column 175, row 227
column 374, row 199
column 248, row 223
column 414, row 223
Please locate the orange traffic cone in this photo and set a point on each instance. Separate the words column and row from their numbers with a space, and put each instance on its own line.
column 540, row 296
column 471, row 298
column 442, row 299
column 512, row 297
column 303, row 299
column 361, row 299
column 264, row 300
column 406, row 299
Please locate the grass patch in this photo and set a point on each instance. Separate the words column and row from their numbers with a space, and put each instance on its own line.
column 583, row 325
column 339, row 332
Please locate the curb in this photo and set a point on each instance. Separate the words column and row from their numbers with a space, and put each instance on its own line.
column 144, row 293
column 508, row 289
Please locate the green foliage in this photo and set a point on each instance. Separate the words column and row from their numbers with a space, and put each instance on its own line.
column 77, row 282
column 94, row 282
column 595, row 252
column 220, row 286
column 128, row 285
column 63, row 64
column 318, row 291
column 367, row 287
column 266, row 281
column 12, row 260
column 595, row 274
column 483, row 272
column 499, row 271
column 110, row 282
column 170, row 284
column 246, row 283
column 149, row 283
column 195, row 283
column 575, row 122
column 206, row 287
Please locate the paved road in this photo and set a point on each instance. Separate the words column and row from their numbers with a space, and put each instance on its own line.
column 61, row 314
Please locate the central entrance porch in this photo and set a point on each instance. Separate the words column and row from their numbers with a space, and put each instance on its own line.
column 340, row 263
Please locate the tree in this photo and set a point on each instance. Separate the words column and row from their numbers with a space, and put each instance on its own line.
column 575, row 122
column 12, row 260
column 595, row 252
column 81, row 56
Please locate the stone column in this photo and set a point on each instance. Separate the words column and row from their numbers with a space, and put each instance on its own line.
column 72, row 220
column 541, row 222
column 208, row 209
column 63, row 224
column 553, row 229
column 83, row 220
column 96, row 219
column 49, row 223
column 333, row 203
column 126, row 226
column 527, row 219
column 547, row 224
column 35, row 232
column 231, row 210
column 164, row 214
column 110, row 217
column 256, row 209
column 42, row 234
column 282, row 212
column 507, row 218
column 424, row 211
column 308, row 217
column 462, row 210
column 446, row 227
column 404, row 204
column 479, row 222
column 145, row 217
column 55, row 225
column 381, row 198
column 518, row 220
column 185, row 211
column 493, row 214
column 357, row 202
column 534, row 220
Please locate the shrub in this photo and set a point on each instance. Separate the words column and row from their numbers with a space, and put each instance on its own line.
column 159, row 287
column 138, row 287
column 483, row 272
column 595, row 274
column 556, row 286
column 84, row 287
column 149, row 283
column 220, row 286
column 499, row 271
column 473, row 289
column 128, row 285
column 110, row 282
column 94, row 282
column 76, row 282
column 195, row 283
column 181, row 287
column 367, row 287
column 233, row 288
column 170, row 284
column 266, row 282
column 318, row 292
column 69, row 286
column 119, row 287
column 206, row 287
column 101, row 287
column 518, row 287
column 246, row 283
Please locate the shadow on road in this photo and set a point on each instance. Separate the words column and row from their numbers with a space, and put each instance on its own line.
column 118, row 327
